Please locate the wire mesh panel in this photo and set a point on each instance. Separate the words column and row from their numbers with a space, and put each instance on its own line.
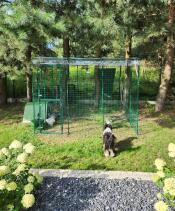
column 80, row 94
column 47, row 104
column 84, row 107
column 134, row 98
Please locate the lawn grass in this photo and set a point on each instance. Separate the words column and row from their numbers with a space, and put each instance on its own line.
column 85, row 151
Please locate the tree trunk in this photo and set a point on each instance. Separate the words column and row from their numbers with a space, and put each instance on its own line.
column 3, row 89
column 128, row 47
column 66, row 54
column 99, row 55
column 29, row 85
column 28, row 65
column 166, row 74
column 66, row 47
column 29, row 73
column 127, row 82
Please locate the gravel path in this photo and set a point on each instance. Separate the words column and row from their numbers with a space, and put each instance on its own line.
column 89, row 194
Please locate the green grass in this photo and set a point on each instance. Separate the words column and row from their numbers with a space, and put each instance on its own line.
column 85, row 151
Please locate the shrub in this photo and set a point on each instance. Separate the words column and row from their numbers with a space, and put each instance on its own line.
column 165, row 179
column 17, row 183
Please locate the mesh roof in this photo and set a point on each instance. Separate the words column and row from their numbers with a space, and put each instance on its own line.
column 85, row 61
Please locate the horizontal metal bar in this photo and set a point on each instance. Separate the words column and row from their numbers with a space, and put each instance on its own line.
column 85, row 61
column 49, row 100
column 50, row 132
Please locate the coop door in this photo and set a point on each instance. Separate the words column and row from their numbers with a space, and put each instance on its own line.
column 130, row 96
column 49, row 100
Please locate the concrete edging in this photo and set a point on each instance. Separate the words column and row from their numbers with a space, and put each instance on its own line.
column 95, row 174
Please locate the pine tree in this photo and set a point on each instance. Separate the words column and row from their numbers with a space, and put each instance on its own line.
column 5, row 53
column 99, row 19
column 29, row 27
column 66, row 12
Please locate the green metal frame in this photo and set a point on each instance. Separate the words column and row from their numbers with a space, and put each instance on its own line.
column 49, row 78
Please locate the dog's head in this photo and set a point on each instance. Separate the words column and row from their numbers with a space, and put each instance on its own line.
column 108, row 124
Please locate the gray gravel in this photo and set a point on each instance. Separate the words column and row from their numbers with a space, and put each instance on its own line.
column 75, row 194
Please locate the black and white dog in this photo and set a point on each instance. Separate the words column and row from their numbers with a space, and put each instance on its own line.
column 108, row 140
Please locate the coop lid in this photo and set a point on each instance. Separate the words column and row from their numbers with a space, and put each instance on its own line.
column 85, row 61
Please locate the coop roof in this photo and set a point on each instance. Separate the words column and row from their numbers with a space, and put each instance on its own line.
column 85, row 61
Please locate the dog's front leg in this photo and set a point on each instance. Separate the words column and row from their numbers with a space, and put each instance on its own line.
column 106, row 153
column 112, row 154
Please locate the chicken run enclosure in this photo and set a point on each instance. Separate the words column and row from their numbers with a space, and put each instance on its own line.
column 71, row 94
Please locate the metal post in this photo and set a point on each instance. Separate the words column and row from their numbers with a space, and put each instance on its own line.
column 44, row 78
column 77, row 76
column 77, row 96
column 61, row 100
column 137, row 113
column 33, row 101
column 102, row 92
column 68, row 117
column 120, row 84
column 39, row 96
column 130, row 98
column 58, row 85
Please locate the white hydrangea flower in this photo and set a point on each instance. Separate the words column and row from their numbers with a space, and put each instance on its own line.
column 29, row 148
column 159, row 195
column 31, row 179
column 20, row 168
column 4, row 170
column 28, row 200
column 15, row 145
column 28, row 188
column 1, row 154
column 38, row 177
column 169, row 186
column 22, row 158
column 171, row 154
column 10, row 207
column 171, row 147
column 5, row 151
column 155, row 178
column 159, row 163
column 165, row 190
column 16, row 173
column 11, row 186
column 161, row 206
column 161, row 174
column 3, row 184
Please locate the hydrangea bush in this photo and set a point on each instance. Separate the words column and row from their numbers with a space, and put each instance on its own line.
column 165, row 179
column 17, row 183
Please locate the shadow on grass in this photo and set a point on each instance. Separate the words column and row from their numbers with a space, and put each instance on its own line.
column 66, row 162
column 165, row 119
column 65, row 194
column 96, row 166
column 126, row 145
column 167, row 122
column 11, row 113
